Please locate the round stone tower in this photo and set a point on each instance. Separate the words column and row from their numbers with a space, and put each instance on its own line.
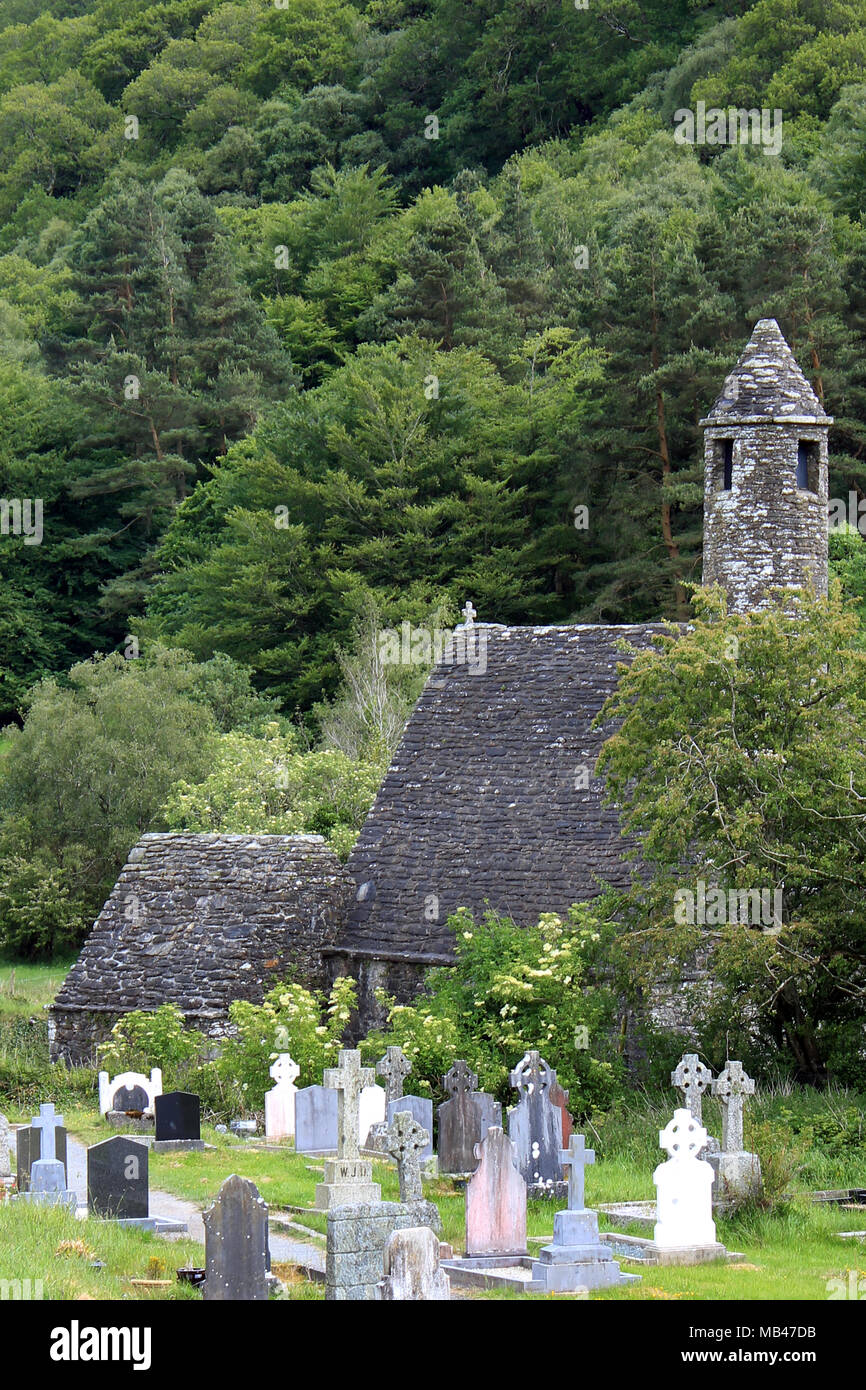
column 765, row 477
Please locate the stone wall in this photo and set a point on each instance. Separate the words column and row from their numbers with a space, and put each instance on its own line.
column 355, row 1259
column 199, row 920
column 764, row 531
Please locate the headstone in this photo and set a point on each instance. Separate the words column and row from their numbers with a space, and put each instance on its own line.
column 738, row 1172
column 535, row 1125
column 464, row 1119
column 496, row 1200
column 47, row 1173
column 730, row 1087
column 684, row 1204
column 117, row 1178
column 371, row 1111
column 577, row 1159
column 355, row 1259
column 412, row 1270
column 559, row 1098
column 394, row 1067
column 131, row 1090
column 178, row 1120
column 28, row 1150
column 5, row 1160
column 236, row 1244
column 421, row 1109
column 577, row 1259
column 405, row 1142
column 692, row 1078
column 280, row 1099
column 348, row 1177
column 315, row 1120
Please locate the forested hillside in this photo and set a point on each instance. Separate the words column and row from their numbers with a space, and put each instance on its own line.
column 314, row 303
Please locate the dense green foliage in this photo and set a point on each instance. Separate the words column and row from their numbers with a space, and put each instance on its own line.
column 327, row 315
column 739, row 762
column 265, row 785
column 232, row 1076
column 317, row 305
column 89, row 771
column 513, row 988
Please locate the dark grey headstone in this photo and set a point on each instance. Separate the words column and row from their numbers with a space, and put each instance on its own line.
column 130, row 1098
column 464, row 1120
column 535, row 1124
column 117, row 1178
column 316, row 1119
column 236, row 1244
column 28, row 1147
column 178, row 1116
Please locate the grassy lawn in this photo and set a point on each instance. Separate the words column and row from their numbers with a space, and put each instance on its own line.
column 25, row 989
column 50, row 1245
column 807, row 1140
column 789, row 1253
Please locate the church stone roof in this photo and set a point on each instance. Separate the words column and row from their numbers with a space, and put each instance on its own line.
column 202, row 919
column 766, row 384
column 484, row 801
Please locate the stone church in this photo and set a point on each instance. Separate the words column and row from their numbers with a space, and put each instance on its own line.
column 491, row 798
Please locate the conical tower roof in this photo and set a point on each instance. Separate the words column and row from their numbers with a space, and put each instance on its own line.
column 766, row 385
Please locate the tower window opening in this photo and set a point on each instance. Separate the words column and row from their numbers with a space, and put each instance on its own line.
column 807, row 465
column 723, row 465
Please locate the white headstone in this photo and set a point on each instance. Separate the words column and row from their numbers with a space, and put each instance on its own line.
column 684, row 1184
column 129, row 1081
column 280, row 1100
column 371, row 1110
column 47, row 1174
column 5, row 1165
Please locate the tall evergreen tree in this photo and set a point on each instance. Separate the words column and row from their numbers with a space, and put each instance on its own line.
column 170, row 353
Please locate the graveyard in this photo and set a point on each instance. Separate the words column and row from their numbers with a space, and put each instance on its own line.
column 788, row 1255
column 432, row 670
column 130, row 1184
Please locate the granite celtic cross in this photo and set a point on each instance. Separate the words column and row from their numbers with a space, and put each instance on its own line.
column 692, row 1078
column 532, row 1074
column 405, row 1141
column 730, row 1086
column 394, row 1067
column 285, row 1069
column 459, row 1079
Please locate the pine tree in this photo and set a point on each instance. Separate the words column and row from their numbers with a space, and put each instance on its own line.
column 171, row 355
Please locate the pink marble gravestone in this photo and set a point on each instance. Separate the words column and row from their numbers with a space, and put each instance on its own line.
column 496, row 1200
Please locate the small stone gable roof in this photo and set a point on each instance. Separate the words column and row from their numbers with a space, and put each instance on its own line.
column 766, row 384
column 202, row 919
column 484, row 800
